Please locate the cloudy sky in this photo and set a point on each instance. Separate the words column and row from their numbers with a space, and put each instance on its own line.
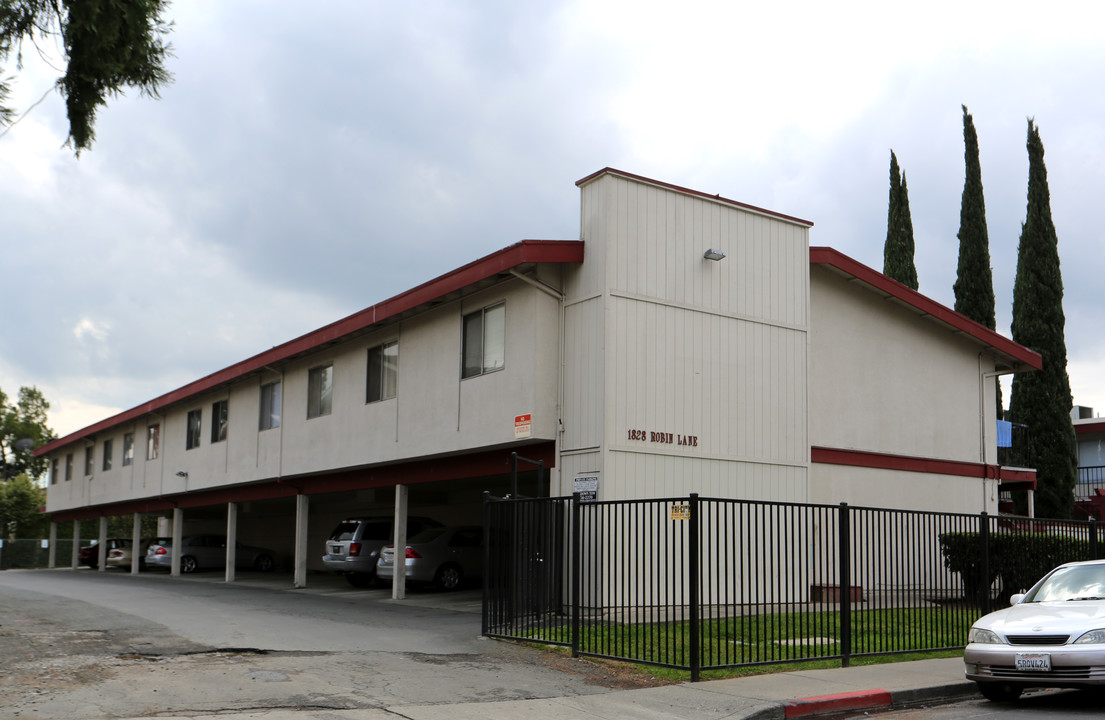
column 313, row 159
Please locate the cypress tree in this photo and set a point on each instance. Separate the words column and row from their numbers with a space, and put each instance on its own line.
column 1041, row 400
column 974, row 282
column 898, row 251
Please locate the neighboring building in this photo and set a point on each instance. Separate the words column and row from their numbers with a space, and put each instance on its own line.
column 687, row 343
column 1089, row 493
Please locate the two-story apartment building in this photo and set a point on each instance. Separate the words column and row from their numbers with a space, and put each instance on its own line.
column 685, row 343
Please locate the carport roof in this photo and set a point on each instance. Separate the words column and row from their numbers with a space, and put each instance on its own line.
column 477, row 274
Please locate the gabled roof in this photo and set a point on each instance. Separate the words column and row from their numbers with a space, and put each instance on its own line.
column 470, row 277
column 1011, row 356
column 693, row 193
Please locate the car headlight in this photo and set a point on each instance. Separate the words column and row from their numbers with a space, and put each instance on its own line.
column 985, row 637
column 1094, row 637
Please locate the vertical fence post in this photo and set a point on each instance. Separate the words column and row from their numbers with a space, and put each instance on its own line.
column 844, row 549
column 1093, row 538
column 576, row 570
column 486, row 562
column 694, row 572
column 984, row 581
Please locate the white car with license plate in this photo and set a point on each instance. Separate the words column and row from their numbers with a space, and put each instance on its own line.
column 1052, row 636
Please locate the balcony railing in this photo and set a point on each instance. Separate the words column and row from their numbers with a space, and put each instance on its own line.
column 1016, row 453
column 1089, row 480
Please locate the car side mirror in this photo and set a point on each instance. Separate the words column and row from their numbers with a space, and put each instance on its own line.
column 1016, row 598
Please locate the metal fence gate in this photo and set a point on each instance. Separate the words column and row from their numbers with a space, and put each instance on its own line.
column 699, row 583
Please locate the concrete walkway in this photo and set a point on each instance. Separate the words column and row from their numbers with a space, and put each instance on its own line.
column 800, row 694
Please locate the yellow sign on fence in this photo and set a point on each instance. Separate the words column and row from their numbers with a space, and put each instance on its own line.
column 680, row 512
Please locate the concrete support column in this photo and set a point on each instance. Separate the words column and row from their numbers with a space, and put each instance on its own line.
column 178, row 537
column 53, row 549
column 136, row 549
column 301, row 507
column 1031, row 503
column 399, row 575
column 76, row 544
column 231, row 540
column 101, row 550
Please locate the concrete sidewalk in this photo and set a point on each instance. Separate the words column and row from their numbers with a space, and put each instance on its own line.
column 800, row 694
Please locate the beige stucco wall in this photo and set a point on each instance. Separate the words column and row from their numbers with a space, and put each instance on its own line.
column 684, row 374
column 434, row 411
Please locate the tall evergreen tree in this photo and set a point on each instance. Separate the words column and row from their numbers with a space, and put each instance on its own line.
column 1042, row 399
column 974, row 282
column 898, row 251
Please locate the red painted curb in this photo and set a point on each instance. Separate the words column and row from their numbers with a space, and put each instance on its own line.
column 842, row 702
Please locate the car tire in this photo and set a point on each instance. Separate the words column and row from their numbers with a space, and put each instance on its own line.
column 361, row 580
column 188, row 564
column 448, row 577
column 1000, row 692
column 264, row 563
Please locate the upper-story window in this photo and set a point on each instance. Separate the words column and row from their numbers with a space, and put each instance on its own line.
column 54, row 471
column 89, row 467
column 320, row 391
column 107, row 455
column 153, row 441
column 69, row 467
column 220, row 420
column 270, row 405
column 383, row 371
column 128, row 448
column 195, row 425
column 484, row 348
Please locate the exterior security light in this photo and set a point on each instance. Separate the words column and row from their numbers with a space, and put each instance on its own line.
column 181, row 473
column 713, row 254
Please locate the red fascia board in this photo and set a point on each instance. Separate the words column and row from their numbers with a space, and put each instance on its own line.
column 1089, row 428
column 1022, row 478
column 522, row 253
column 909, row 296
column 693, row 193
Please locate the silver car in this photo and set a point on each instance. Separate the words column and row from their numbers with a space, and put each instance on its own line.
column 354, row 546
column 1052, row 636
column 207, row 551
column 444, row 557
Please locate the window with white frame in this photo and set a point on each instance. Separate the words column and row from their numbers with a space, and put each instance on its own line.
column 153, row 441
column 484, row 343
column 383, row 371
column 220, row 419
column 194, row 427
column 107, row 455
column 89, row 467
column 128, row 448
column 320, row 391
column 270, row 405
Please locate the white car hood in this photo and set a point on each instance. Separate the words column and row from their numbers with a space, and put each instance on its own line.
column 1068, row 617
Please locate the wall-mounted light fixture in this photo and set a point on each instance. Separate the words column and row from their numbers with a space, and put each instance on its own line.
column 181, row 473
column 713, row 254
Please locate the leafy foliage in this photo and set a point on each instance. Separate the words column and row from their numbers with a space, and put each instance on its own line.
column 109, row 45
column 1017, row 559
column 1042, row 399
column 20, row 500
column 898, row 251
column 26, row 420
column 974, row 282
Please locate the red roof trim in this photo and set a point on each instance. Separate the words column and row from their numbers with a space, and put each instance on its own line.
column 908, row 463
column 526, row 251
column 962, row 323
column 1087, row 428
column 695, row 193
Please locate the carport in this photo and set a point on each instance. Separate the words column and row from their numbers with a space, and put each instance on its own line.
column 293, row 516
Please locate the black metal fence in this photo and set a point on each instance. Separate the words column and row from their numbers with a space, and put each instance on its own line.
column 700, row 583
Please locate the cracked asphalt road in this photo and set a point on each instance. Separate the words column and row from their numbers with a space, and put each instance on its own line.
column 81, row 645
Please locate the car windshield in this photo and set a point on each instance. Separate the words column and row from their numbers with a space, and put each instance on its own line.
column 1079, row 582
